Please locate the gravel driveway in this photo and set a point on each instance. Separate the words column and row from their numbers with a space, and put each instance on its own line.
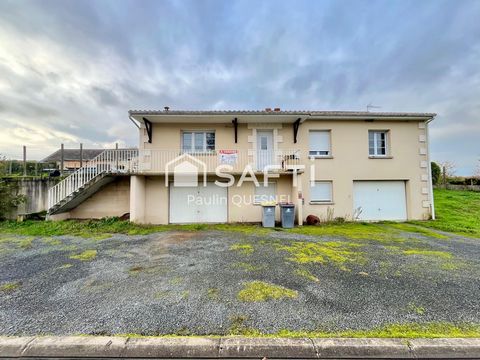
column 192, row 283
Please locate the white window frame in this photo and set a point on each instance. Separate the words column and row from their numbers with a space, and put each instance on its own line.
column 315, row 153
column 256, row 197
column 193, row 150
column 376, row 149
column 321, row 201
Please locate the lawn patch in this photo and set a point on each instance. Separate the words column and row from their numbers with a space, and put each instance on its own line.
column 417, row 229
column 419, row 310
column 456, row 211
column 10, row 287
column 262, row 291
column 337, row 253
column 431, row 253
column 52, row 241
column 213, row 294
column 355, row 231
column 246, row 266
column 306, row 274
column 87, row 255
column 245, row 249
column 65, row 266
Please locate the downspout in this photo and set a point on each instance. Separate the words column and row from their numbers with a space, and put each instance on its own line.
column 432, row 204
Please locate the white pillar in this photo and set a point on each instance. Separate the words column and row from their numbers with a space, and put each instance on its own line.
column 137, row 198
column 300, row 200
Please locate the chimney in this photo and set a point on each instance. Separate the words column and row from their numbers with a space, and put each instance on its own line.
column 276, row 109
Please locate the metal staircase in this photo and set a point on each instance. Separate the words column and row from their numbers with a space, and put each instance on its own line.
column 87, row 180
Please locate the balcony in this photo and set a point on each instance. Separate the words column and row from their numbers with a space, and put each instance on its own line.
column 227, row 161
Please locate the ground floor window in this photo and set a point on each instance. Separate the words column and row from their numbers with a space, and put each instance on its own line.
column 321, row 191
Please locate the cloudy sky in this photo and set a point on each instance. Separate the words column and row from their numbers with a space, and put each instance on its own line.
column 70, row 70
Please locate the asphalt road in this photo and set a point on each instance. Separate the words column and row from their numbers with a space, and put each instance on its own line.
column 188, row 283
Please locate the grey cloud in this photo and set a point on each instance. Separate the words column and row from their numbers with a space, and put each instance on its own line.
column 402, row 55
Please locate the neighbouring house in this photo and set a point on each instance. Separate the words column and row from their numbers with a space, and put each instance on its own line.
column 202, row 166
column 71, row 157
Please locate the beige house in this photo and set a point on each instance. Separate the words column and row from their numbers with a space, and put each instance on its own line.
column 219, row 166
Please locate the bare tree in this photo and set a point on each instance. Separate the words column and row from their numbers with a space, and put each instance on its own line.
column 477, row 170
column 448, row 168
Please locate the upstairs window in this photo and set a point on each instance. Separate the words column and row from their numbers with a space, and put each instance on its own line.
column 377, row 143
column 319, row 143
column 198, row 141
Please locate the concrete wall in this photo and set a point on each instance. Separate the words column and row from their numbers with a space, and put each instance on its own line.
column 36, row 193
column 111, row 200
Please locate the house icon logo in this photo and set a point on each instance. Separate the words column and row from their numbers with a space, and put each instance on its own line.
column 186, row 170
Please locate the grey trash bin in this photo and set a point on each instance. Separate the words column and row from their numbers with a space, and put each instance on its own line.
column 268, row 218
column 287, row 213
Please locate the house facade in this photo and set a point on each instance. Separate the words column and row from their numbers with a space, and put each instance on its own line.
column 219, row 166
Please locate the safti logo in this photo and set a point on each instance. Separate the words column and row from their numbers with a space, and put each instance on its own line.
column 186, row 170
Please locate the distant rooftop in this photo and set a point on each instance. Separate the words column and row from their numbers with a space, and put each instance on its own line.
column 73, row 154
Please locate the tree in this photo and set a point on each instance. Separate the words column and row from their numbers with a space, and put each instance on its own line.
column 9, row 198
column 448, row 168
column 436, row 172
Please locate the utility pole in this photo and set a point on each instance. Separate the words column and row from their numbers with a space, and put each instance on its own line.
column 61, row 160
column 116, row 156
column 444, row 177
column 24, row 160
column 81, row 155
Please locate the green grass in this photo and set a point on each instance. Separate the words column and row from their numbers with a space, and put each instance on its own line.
column 245, row 249
column 261, row 291
column 87, row 255
column 404, row 331
column 9, row 287
column 432, row 253
column 456, row 212
column 306, row 274
column 336, row 253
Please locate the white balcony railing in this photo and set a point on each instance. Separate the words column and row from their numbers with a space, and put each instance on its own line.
column 133, row 161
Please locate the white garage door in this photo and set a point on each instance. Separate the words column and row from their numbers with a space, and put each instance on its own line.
column 380, row 200
column 202, row 204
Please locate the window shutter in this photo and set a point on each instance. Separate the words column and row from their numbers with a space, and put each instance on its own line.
column 321, row 191
column 320, row 142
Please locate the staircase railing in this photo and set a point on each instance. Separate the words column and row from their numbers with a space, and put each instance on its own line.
column 109, row 161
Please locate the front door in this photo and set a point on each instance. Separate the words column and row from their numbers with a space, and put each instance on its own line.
column 264, row 149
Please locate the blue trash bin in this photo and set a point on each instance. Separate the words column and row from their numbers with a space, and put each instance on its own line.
column 287, row 214
column 268, row 217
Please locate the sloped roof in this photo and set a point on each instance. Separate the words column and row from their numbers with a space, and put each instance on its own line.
column 311, row 113
column 73, row 154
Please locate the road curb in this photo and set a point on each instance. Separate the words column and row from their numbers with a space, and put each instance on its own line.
column 92, row 347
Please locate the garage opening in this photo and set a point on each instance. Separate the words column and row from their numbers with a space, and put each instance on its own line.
column 380, row 200
column 199, row 204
